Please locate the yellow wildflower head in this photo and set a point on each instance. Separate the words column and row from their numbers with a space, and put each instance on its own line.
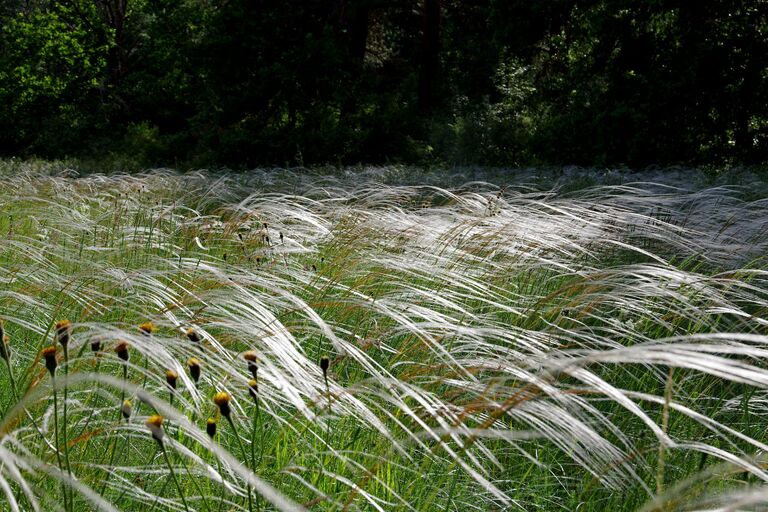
column 194, row 368
column 222, row 399
column 171, row 377
column 155, row 425
column 147, row 328
column 126, row 409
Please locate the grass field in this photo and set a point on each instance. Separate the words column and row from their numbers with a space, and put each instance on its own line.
column 383, row 339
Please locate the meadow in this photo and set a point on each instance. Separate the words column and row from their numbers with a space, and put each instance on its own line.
column 383, row 339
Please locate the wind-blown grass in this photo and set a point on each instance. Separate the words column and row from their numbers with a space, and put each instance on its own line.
column 490, row 346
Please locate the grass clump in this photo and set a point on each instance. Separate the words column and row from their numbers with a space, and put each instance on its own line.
column 378, row 346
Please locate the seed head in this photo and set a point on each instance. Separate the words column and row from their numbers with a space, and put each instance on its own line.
column 171, row 377
column 325, row 363
column 63, row 330
column 253, row 390
column 222, row 399
column 210, row 427
column 155, row 425
column 193, row 336
column 49, row 354
column 121, row 349
column 126, row 409
column 252, row 358
column 147, row 328
column 194, row 368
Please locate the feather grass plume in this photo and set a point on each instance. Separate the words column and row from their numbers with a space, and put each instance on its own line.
column 537, row 347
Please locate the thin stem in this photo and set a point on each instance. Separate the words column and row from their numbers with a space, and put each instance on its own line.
column 221, row 493
column 664, row 427
column 157, row 497
column 253, row 436
column 245, row 458
column 12, row 379
column 56, row 439
column 253, row 446
column 64, row 427
column 91, row 396
column 328, row 390
column 453, row 488
column 135, row 480
column 15, row 399
column 173, row 475
column 114, row 442
column 15, row 391
column 196, row 484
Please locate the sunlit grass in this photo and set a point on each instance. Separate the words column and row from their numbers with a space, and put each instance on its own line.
column 283, row 339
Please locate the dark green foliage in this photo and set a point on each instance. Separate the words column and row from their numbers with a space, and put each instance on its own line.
column 502, row 82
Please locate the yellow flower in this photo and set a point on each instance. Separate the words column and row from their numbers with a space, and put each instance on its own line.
column 194, row 368
column 126, row 409
column 222, row 399
column 147, row 328
column 155, row 425
column 171, row 377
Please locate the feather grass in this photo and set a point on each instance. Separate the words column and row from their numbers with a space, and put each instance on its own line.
column 531, row 346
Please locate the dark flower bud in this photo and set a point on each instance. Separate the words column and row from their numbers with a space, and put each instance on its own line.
column 49, row 354
column 193, row 336
column 171, row 377
column 126, row 409
column 121, row 349
column 210, row 427
column 62, row 330
column 194, row 368
column 252, row 358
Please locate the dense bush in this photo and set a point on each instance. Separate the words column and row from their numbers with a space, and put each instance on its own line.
column 287, row 82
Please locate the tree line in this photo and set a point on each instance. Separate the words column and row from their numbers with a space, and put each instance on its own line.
column 285, row 82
